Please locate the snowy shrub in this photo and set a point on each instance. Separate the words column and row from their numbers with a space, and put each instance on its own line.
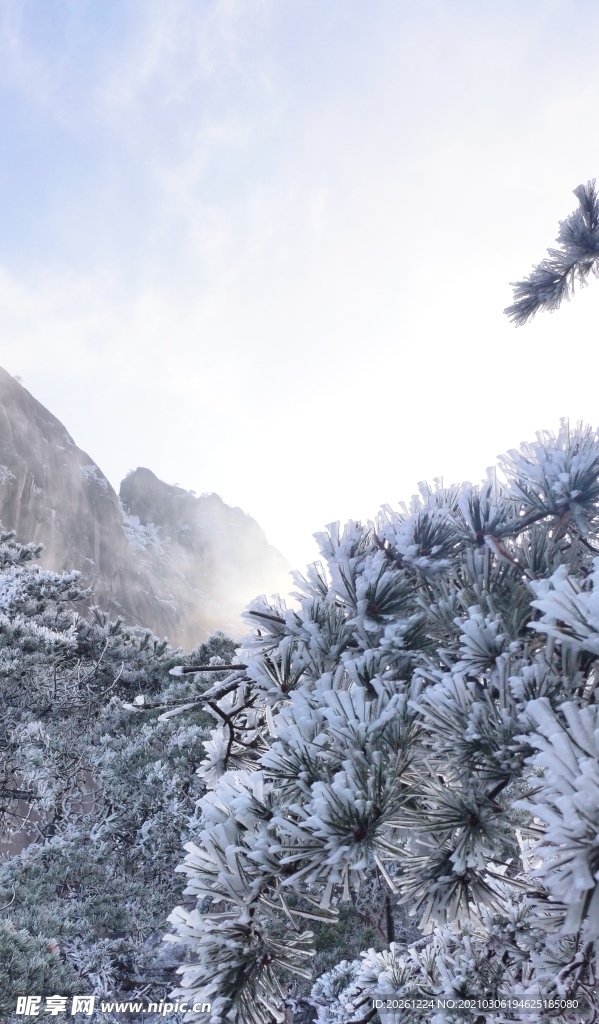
column 142, row 536
column 95, row 801
column 31, row 964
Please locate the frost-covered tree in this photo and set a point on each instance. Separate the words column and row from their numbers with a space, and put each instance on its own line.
column 96, row 799
column 419, row 733
column 554, row 279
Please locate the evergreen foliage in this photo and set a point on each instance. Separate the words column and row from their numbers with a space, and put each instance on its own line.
column 554, row 279
column 418, row 736
column 390, row 790
column 95, row 801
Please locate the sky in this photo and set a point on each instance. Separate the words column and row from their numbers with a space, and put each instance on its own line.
column 263, row 247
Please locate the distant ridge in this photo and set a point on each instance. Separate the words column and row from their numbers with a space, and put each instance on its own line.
column 177, row 564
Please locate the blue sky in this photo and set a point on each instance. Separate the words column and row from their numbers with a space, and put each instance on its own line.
column 263, row 246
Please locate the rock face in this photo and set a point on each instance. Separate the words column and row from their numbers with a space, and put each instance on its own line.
column 178, row 564
column 206, row 554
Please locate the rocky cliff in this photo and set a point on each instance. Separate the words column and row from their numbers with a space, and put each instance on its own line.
column 165, row 559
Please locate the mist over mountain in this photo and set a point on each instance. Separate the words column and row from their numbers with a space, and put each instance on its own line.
column 164, row 558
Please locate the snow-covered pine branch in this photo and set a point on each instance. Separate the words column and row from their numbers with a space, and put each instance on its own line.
column 553, row 280
column 394, row 730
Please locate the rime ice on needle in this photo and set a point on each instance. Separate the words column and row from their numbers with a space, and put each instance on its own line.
column 422, row 729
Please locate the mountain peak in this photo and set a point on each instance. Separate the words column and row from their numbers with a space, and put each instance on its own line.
column 166, row 559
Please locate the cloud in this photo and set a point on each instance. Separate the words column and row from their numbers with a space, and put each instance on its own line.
column 263, row 249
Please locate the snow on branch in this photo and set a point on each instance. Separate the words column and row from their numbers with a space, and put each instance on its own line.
column 553, row 280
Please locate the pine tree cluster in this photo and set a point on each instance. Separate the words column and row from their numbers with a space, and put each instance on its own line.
column 94, row 801
column 418, row 734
